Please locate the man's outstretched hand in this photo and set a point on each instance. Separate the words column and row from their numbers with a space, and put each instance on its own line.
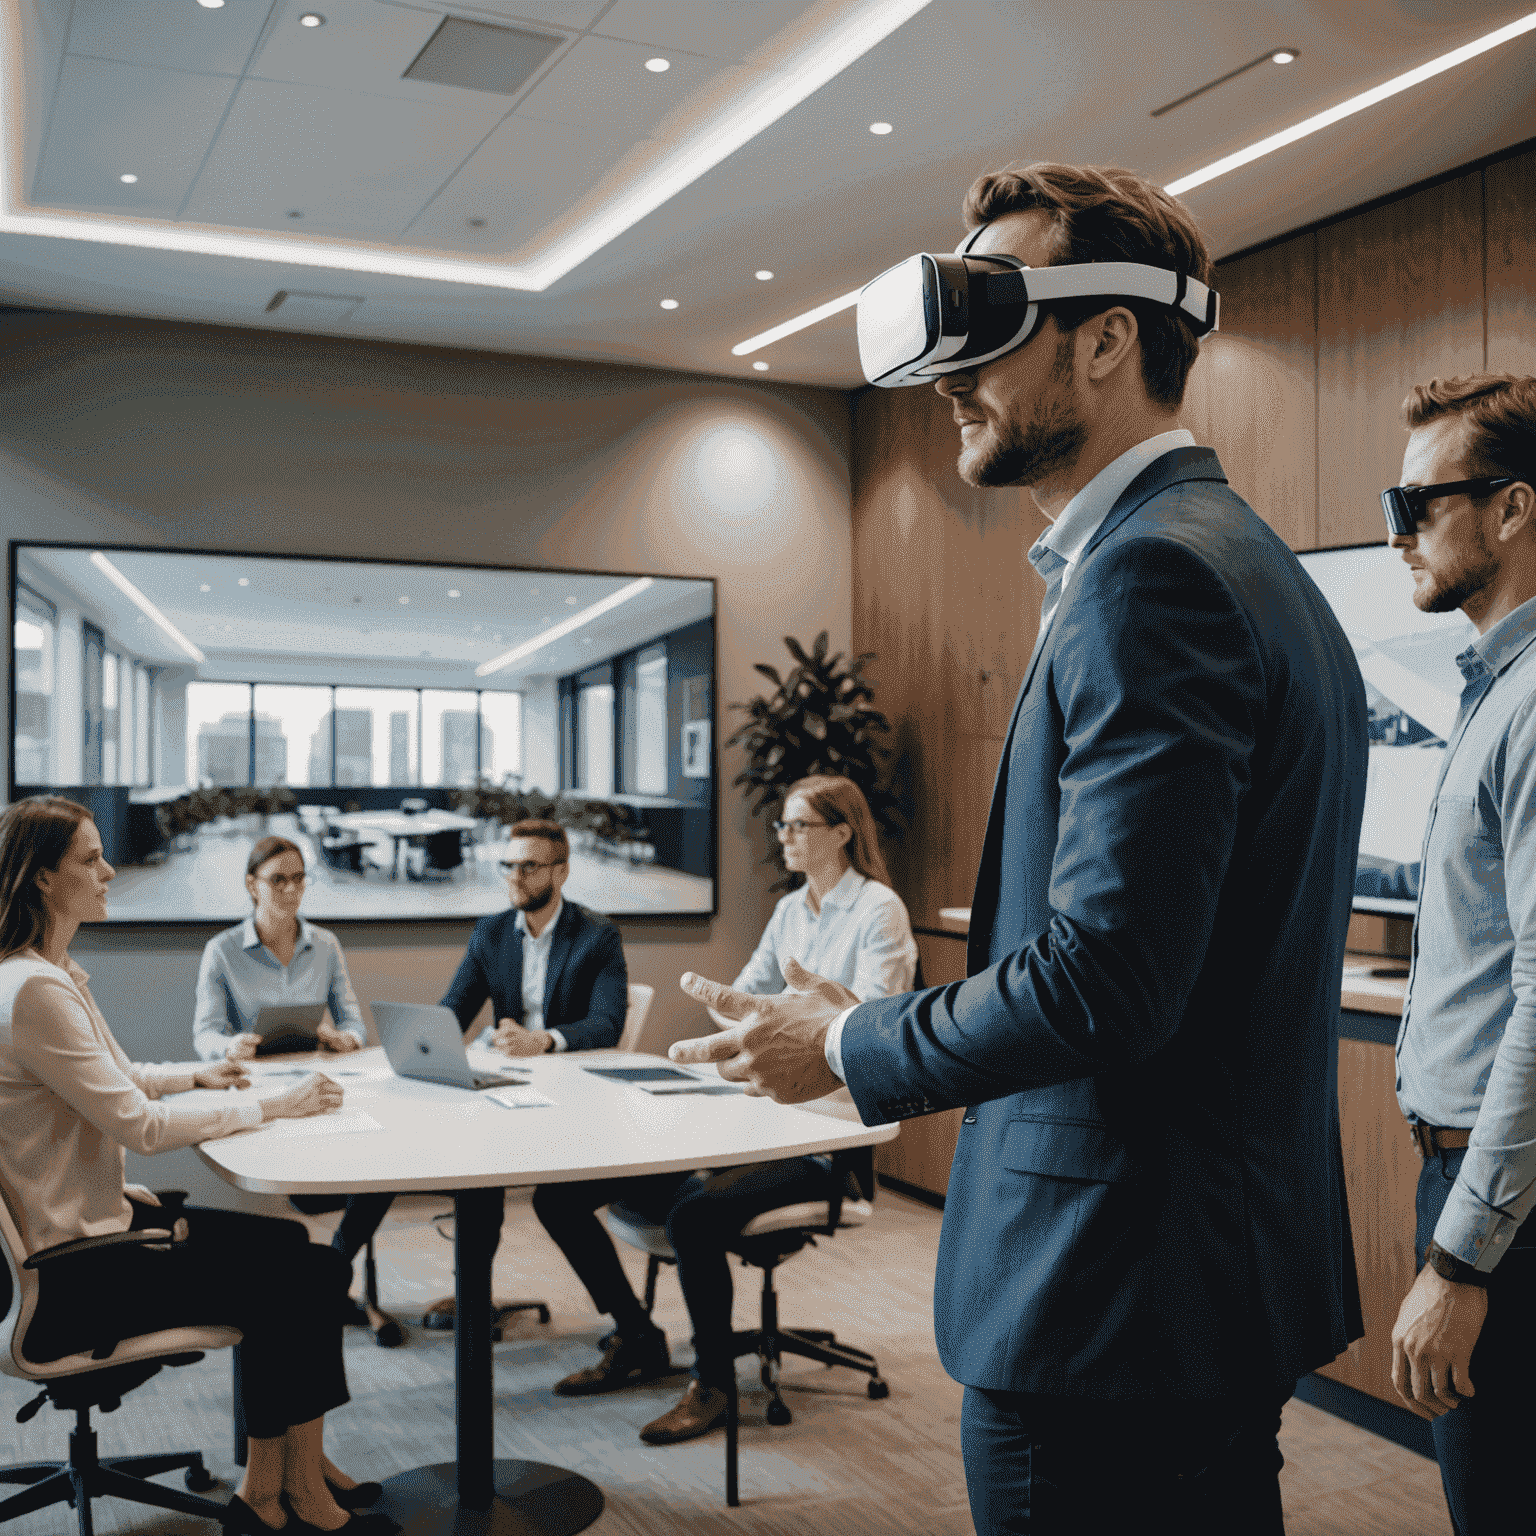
column 778, row 1045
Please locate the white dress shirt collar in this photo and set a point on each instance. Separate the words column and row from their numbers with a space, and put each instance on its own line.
column 1081, row 518
column 844, row 894
column 250, row 939
column 548, row 932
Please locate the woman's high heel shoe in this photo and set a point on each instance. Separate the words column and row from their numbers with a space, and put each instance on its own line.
column 246, row 1521
column 359, row 1496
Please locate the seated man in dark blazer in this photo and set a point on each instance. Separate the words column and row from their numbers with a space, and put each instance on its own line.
column 554, row 972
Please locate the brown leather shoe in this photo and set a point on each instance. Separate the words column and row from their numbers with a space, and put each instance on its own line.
column 439, row 1314
column 700, row 1410
column 623, row 1364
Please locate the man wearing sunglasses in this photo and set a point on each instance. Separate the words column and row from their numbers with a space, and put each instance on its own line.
column 1464, row 1346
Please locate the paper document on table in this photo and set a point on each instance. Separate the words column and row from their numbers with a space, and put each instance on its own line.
column 342, row 1123
column 519, row 1098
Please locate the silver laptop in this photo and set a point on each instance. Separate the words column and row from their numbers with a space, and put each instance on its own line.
column 424, row 1041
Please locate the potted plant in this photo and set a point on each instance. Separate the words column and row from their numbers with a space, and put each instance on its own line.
column 819, row 719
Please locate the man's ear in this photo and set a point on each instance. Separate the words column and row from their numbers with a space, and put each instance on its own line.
column 1517, row 514
column 1115, row 336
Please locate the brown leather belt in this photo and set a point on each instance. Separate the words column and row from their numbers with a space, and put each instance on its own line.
column 1430, row 1139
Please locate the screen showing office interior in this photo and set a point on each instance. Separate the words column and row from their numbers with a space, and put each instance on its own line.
column 391, row 719
column 1412, row 689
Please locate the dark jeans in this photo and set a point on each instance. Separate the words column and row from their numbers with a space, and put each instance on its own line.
column 1481, row 1444
column 701, row 1216
column 260, row 1275
column 1051, row 1466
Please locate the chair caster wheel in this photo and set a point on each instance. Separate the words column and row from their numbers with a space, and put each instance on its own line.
column 495, row 1335
column 198, row 1479
column 878, row 1389
column 778, row 1413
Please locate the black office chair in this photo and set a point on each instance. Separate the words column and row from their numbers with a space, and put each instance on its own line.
column 441, row 1314
column 100, row 1378
column 765, row 1242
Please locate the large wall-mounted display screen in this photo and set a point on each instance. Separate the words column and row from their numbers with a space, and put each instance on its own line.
column 1412, row 687
column 392, row 720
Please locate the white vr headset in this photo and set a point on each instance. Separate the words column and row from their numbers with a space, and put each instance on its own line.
column 930, row 315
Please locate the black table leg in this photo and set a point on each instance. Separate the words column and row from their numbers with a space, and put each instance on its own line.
column 480, row 1495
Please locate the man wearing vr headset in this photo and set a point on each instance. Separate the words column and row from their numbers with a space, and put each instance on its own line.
column 1465, row 1338
column 1145, row 1238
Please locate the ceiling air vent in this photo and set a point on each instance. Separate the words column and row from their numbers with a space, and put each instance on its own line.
column 323, row 309
column 478, row 57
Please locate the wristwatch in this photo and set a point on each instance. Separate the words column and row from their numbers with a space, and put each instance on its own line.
column 1449, row 1267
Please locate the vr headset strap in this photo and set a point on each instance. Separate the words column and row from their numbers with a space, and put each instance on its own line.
column 1195, row 303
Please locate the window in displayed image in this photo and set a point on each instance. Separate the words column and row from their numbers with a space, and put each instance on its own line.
column 34, row 639
column 501, row 736
column 450, row 724
column 377, row 736
column 219, row 734
column 594, row 735
column 294, row 738
column 650, row 770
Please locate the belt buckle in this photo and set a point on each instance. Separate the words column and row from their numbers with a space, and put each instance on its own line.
column 1423, row 1140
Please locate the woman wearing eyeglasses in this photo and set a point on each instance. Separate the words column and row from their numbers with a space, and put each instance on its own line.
column 274, row 958
column 844, row 923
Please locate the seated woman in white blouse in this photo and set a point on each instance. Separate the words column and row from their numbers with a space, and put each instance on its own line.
column 70, row 1103
column 276, row 957
column 846, row 924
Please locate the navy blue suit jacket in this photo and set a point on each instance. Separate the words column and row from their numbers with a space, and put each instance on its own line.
column 586, row 987
column 1147, row 1197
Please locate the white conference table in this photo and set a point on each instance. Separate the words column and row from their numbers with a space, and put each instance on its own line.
column 396, row 1134
column 402, row 828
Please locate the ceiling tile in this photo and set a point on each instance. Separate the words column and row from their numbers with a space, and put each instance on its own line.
column 169, row 34
column 113, row 119
column 723, row 29
column 362, row 46
column 525, row 174
column 605, row 83
column 478, row 57
column 354, row 164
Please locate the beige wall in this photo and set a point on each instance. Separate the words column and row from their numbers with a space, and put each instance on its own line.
column 191, row 437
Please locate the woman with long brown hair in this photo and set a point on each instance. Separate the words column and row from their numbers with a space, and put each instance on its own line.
column 71, row 1102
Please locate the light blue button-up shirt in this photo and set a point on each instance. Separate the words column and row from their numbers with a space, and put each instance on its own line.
column 240, row 976
column 1466, row 1050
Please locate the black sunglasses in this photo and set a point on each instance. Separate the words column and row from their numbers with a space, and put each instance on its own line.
column 1405, row 505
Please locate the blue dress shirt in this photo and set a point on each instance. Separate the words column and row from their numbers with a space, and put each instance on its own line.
column 1466, row 1050
column 240, row 976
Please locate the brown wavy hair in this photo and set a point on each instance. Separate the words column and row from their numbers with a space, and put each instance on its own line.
column 35, row 834
column 839, row 801
column 1103, row 213
column 550, row 831
column 1500, row 409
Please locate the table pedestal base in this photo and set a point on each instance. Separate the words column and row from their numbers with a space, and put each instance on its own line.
column 532, row 1499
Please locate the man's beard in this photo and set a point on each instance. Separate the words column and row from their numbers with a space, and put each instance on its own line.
column 1446, row 595
column 537, row 903
column 1049, row 442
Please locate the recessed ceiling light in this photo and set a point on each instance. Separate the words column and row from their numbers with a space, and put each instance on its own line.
column 403, row 600
column 245, row 581
column 763, row 275
column 761, row 366
column 311, row 19
column 1282, row 56
column 211, row 5
column 295, row 213
column 128, row 178
column 205, row 587
column 475, row 223
column 453, row 591
column 665, row 304
column 880, row 128
column 658, row 66
column 570, row 602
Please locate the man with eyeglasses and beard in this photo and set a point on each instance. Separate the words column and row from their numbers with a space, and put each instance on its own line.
column 553, row 971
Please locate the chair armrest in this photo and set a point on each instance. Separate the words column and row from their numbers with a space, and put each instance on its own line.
column 87, row 1244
